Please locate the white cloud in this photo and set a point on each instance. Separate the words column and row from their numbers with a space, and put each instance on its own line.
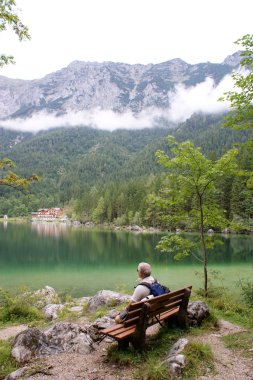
column 184, row 102
column 200, row 98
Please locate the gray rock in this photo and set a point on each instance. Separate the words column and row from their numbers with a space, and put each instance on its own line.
column 175, row 360
column 63, row 337
column 51, row 311
column 197, row 311
column 178, row 347
column 107, row 298
column 99, row 324
column 68, row 337
column 81, row 301
column 136, row 228
column 76, row 309
column 45, row 296
column 28, row 344
column 89, row 224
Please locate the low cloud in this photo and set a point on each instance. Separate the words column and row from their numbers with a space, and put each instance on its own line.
column 183, row 103
column 200, row 98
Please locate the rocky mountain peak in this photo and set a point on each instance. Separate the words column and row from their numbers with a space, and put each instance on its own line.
column 233, row 60
column 107, row 85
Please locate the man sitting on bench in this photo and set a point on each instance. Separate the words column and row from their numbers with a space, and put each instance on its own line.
column 140, row 291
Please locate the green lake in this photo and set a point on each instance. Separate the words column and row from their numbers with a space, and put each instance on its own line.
column 80, row 262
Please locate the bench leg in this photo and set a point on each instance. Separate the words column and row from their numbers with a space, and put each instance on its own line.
column 138, row 341
column 123, row 344
column 139, row 338
column 182, row 317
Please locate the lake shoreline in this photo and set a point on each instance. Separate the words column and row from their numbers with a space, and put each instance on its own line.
column 114, row 228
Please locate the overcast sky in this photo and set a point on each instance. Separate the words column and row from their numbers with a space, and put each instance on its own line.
column 131, row 31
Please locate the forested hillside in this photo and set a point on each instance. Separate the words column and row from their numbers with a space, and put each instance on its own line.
column 107, row 176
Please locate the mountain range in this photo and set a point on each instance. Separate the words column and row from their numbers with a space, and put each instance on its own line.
column 118, row 87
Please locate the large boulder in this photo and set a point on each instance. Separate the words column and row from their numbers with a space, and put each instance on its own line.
column 62, row 337
column 197, row 311
column 28, row 344
column 45, row 296
column 68, row 337
column 107, row 298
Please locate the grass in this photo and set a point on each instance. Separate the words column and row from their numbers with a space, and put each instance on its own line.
column 199, row 360
column 241, row 341
column 151, row 366
column 7, row 363
column 224, row 305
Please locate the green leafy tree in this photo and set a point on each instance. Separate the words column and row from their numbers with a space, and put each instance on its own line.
column 10, row 179
column 193, row 177
column 9, row 18
column 240, row 99
column 99, row 212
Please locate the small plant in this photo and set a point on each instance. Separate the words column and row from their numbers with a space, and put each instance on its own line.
column 199, row 360
column 241, row 341
column 100, row 312
column 112, row 302
column 247, row 291
column 7, row 363
column 125, row 358
column 154, row 370
column 17, row 308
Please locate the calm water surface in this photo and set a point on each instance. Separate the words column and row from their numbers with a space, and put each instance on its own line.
column 80, row 262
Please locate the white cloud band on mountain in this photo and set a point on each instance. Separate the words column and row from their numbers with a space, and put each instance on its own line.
column 183, row 103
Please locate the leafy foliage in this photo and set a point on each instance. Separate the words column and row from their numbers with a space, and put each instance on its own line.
column 9, row 17
column 193, row 177
column 9, row 178
column 17, row 308
column 241, row 114
column 247, row 291
column 7, row 362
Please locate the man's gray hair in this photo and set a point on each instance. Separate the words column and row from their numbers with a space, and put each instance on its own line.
column 145, row 268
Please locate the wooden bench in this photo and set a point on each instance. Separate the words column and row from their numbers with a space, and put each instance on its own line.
column 141, row 315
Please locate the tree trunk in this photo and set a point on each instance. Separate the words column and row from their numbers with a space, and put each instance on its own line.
column 203, row 245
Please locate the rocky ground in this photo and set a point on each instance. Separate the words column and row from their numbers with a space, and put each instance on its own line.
column 92, row 366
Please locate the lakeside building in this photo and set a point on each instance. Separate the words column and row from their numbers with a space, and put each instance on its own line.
column 47, row 214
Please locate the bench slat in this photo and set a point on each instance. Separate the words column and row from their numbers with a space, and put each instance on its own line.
column 111, row 328
column 165, row 303
column 128, row 332
column 168, row 314
column 164, row 308
column 116, row 332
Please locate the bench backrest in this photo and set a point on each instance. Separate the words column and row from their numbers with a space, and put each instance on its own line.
column 157, row 305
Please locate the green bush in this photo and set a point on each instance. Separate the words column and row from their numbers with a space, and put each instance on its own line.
column 7, row 363
column 17, row 308
column 247, row 291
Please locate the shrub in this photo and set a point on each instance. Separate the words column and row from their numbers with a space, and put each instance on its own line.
column 17, row 308
column 247, row 291
column 7, row 363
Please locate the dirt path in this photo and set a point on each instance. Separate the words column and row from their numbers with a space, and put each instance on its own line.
column 228, row 364
column 8, row 332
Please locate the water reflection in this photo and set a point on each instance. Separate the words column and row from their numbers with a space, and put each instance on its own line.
column 50, row 229
column 49, row 244
column 82, row 262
